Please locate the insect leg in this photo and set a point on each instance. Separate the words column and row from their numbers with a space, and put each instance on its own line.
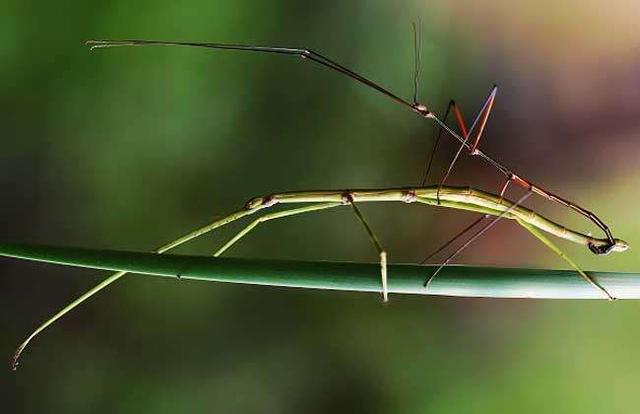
column 115, row 276
column 454, row 238
column 475, row 236
column 468, row 228
column 483, row 115
column 452, row 105
column 273, row 216
column 485, row 111
column 563, row 255
column 377, row 245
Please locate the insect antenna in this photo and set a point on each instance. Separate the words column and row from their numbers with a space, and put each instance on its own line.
column 417, row 41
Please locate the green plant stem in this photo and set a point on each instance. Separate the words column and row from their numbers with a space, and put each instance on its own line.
column 470, row 281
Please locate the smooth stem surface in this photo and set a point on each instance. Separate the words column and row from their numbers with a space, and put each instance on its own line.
column 470, row 281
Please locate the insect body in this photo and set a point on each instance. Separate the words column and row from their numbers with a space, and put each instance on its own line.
column 463, row 198
column 467, row 139
column 489, row 205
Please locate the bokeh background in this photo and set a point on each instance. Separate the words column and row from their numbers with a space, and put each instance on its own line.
column 129, row 148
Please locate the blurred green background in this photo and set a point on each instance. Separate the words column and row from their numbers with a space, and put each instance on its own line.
column 129, row 148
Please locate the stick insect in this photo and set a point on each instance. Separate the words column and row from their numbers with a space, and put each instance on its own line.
column 462, row 198
column 467, row 139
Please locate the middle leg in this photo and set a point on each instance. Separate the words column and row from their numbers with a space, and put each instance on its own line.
column 372, row 236
column 273, row 216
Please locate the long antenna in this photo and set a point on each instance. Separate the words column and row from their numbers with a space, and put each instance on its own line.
column 417, row 61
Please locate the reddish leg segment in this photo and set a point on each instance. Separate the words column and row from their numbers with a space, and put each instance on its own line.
column 482, row 116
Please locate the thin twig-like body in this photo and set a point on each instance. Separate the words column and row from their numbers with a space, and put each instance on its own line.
column 461, row 198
